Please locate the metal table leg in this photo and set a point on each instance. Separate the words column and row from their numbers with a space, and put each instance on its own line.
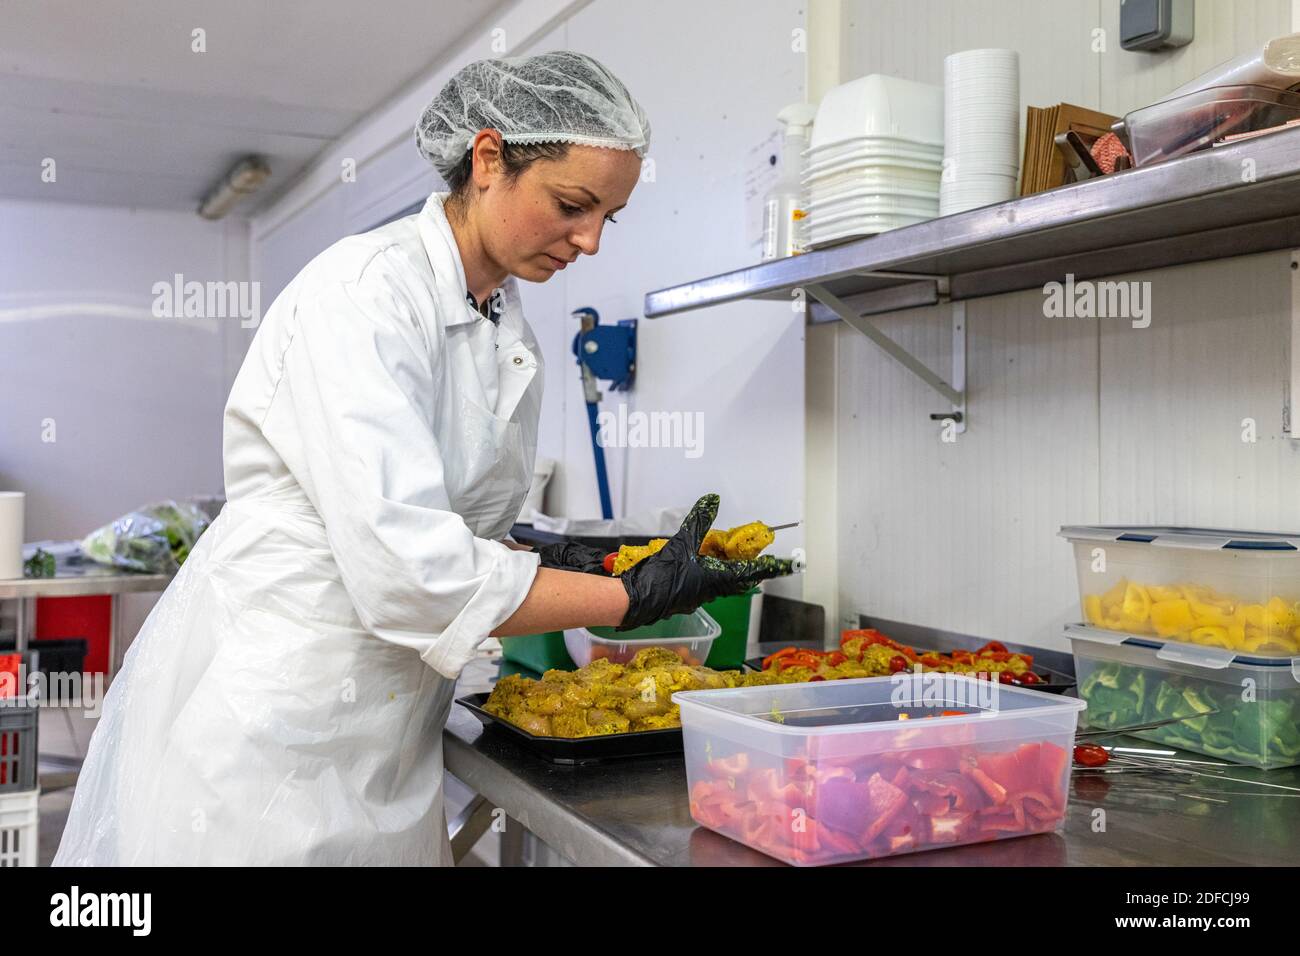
column 114, row 635
column 512, row 843
column 470, row 824
column 25, row 624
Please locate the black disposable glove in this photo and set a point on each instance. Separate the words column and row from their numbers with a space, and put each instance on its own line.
column 571, row 556
column 677, row 580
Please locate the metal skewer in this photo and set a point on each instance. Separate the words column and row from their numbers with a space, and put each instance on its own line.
column 1136, row 728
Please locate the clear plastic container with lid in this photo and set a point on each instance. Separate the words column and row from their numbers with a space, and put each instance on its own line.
column 689, row 636
column 1234, row 591
column 1242, row 709
column 1202, row 118
column 836, row 771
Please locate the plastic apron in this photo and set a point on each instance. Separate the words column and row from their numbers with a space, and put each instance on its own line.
column 255, row 721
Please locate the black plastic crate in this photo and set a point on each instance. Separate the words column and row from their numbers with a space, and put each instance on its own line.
column 56, row 655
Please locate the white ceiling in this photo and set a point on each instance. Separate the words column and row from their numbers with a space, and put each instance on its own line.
column 111, row 90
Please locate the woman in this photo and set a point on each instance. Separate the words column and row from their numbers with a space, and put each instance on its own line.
column 285, row 700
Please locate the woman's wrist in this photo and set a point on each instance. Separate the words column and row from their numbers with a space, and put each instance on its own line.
column 619, row 602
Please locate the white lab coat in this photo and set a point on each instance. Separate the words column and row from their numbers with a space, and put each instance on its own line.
column 284, row 702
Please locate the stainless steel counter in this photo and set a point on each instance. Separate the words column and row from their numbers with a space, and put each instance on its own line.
column 76, row 577
column 635, row 813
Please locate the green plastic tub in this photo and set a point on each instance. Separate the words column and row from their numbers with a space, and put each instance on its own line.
column 732, row 615
column 538, row 652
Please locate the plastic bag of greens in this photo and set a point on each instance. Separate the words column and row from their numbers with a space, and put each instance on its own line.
column 156, row 538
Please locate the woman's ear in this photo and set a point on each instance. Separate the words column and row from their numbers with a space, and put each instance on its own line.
column 487, row 157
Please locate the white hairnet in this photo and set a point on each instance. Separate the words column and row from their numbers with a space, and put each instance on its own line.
column 560, row 97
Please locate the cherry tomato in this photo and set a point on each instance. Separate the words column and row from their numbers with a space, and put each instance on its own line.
column 1006, row 677
column 897, row 663
column 609, row 562
column 1029, row 678
column 1091, row 755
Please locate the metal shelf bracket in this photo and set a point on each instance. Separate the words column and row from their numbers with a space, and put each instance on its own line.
column 954, row 393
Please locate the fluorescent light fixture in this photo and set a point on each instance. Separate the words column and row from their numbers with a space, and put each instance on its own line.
column 245, row 177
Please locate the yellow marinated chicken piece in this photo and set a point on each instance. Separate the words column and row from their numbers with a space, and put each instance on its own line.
column 748, row 541
column 742, row 543
column 714, row 544
column 605, row 698
column 630, row 554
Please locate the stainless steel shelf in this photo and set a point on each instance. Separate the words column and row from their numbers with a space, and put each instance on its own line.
column 1229, row 201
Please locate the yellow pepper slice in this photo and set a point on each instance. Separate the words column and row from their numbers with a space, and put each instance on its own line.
column 1172, row 617
column 1258, row 640
column 1092, row 610
column 1209, row 615
column 1252, row 615
column 1278, row 617
column 1211, row 636
column 1113, row 598
column 1137, row 603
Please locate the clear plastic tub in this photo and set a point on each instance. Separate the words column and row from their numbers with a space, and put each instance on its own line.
column 1245, row 710
column 829, row 772
column 1237, row 591
column 689, row 636
column 1200, row 119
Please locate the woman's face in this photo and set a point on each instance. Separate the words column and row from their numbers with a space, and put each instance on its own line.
column 555, row 211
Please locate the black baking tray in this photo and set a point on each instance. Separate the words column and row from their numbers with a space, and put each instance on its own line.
column 580, row 750
column 1056, row 682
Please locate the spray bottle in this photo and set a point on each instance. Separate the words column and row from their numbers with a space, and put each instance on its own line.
column 783, row 206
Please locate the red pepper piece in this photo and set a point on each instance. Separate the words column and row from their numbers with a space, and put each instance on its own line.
column 1053, row 765
column 932, row 758
column 994, row 790
column 734, row 766
column 951, row 828
column 886, row 802
column 930, row 804
column 783, row 652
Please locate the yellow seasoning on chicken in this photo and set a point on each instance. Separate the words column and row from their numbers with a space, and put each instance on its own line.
column 742, row 543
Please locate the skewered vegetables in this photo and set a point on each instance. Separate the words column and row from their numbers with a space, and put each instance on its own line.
column 868, row 653
column 742, row 543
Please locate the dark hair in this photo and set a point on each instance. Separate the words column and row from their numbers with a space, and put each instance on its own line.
column 515, row 158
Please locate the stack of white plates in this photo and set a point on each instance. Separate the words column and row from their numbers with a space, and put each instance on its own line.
column 874, row 159
column 981, row 160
